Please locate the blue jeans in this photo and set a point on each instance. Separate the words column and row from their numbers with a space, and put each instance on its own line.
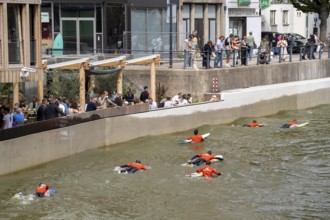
column 251, row 52
column 217, row 58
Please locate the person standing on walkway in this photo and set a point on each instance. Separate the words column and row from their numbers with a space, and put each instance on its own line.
column 218, row 47
column 244, row 49
column 252, row 43
column 229, row 47
column 188, row 53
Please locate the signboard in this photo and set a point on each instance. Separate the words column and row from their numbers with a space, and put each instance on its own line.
column 264, row 4
column 243, row 2
column 44, row 17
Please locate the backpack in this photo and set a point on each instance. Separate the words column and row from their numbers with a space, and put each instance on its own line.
column 227, row 41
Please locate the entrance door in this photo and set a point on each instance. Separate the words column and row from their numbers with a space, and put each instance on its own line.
column 199, row 27
column 78, row 35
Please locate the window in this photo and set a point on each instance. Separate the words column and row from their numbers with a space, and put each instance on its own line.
column 285, row 19
column 272, row 17
column 298, row 14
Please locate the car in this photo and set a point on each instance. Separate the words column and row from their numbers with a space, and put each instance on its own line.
column 296, row 40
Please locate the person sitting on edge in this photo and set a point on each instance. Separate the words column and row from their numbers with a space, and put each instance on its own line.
column 196, row 138
column 199, row 159
column 132, row 167
column 291, row 124
column 253, row 124
column 208, row 170
column 144, row 94
column 42, row 190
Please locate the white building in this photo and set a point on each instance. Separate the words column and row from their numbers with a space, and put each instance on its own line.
column 242, row 17
column 282, row 17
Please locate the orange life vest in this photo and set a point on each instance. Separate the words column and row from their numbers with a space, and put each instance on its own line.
column 253, row 125
column 137, row 165
column 207, row 171
column 41, row 189
column 207, row 157
column 196, row 138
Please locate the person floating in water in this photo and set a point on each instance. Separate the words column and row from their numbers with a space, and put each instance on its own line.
column 43, row 190
column 291, row 124
column 253, row 124
column 207, row 171
column 196, row 138
column 132, row 167
column 199, row 159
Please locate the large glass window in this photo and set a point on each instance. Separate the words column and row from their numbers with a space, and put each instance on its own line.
column 115, row 26
column 272, row 17
column 46, row 27
column 285, row 18
column 150, row 30
column 75, row 10
column 14, row 34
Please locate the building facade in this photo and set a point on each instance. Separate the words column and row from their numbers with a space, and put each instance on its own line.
column 20, row 44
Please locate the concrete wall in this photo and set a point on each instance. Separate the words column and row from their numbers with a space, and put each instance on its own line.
column 24, row 152
column 199, row 82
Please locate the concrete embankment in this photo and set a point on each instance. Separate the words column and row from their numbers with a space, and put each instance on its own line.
column 27, row 151
column 199, row 82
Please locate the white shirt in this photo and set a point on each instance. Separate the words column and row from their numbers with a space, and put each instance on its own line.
column 168, row 104
column 152, row 105
column 183, row 102
column 8, row 120
column 175, row 100
column 61, row 106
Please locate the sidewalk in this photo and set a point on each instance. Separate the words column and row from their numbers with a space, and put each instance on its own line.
column 179, row 64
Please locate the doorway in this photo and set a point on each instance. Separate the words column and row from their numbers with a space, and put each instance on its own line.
column 78, row 35
column 237, row 26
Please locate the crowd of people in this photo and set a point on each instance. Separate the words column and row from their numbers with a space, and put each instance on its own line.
column 234, row 49
column 51, row 108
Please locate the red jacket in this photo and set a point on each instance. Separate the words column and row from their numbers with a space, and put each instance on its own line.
column 207, row 157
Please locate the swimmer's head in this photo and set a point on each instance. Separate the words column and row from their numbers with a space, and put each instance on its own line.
column 208, row 162
column 196, row 131
column 137, row 161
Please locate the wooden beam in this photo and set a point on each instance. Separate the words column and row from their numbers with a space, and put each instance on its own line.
column 15, row 93
column 145, row 60
column 120, row 82
column 113, row 62
column 82, row 92
column 26, row 35
column 5, row 58
column 153, row 80
column 74, row 64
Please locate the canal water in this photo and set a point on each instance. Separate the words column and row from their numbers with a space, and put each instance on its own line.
column 268, row 173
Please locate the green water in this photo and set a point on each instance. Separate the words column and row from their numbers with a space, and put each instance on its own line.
column 268, row 173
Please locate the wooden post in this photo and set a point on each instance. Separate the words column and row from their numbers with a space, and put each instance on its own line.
column 5, row 58
column 38, row 51
column 120, row 82
column 153, row 80
column 82, row 93
column 26, row 35
column 15, row 93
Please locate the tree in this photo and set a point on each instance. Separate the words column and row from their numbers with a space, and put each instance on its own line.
column 322, row 7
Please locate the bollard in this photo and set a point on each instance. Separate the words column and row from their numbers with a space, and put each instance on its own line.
column 234, row 57
column 290, row 54
column 320, row 52
column 311, row 51
column 215, row 84
column 280, row 55
column 221, row 58
column 184, row 59
column 207, row 66
column 247, row 56
column 258, row 56
column 300, row 53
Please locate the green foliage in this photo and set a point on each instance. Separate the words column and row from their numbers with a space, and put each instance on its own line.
column 160, row 92
column 63, row 83
column 106, row 83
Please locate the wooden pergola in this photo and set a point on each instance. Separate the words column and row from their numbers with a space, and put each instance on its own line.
column 118, row 62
